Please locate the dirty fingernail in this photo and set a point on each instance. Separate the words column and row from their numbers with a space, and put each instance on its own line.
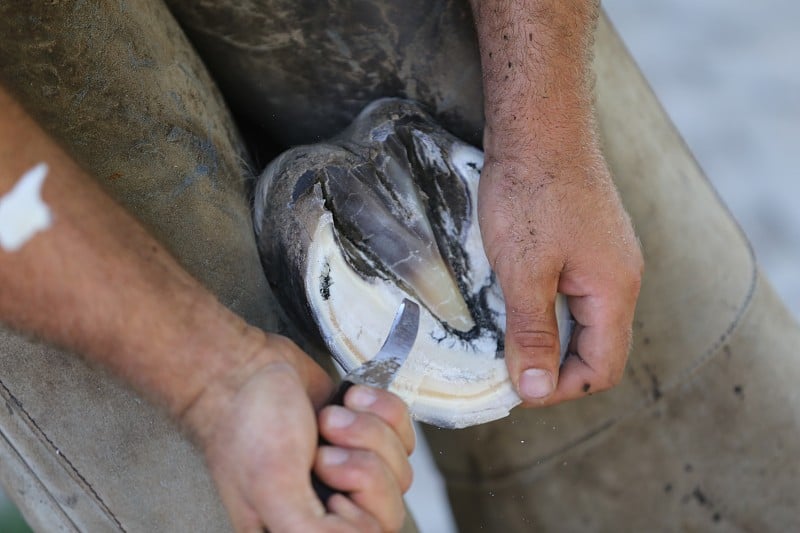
column 535, row 384
column 339, row 417
column 334, row 456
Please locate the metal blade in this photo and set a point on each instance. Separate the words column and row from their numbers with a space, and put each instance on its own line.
column 381, row 370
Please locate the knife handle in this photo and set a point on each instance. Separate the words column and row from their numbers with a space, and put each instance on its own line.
column 323, row 490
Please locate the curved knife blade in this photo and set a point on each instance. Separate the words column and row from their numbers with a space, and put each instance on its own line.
column 381, row 370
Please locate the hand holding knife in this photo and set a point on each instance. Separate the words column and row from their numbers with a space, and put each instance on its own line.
column 379, row 371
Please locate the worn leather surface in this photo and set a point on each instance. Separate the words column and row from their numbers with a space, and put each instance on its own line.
column 701, row 434
column 712, row 451
column 303, row 70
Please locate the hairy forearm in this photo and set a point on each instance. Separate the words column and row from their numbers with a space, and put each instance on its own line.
column 535, row 57
column 96, row 282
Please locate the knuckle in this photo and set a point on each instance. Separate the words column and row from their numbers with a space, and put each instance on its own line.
column 497, row 222
column 369, row 466
column 281, row 342
column 357, row 473
column 395, row 410
column 497, row 252
column 532, row 339
column 395, row 421
column 377, row 433
column 527, row 319
column 510, row 247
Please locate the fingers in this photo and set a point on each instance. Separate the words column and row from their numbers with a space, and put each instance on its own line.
column 371, row 438
column 260, row 449
column 364, row 431
column 366, row 480
column 386, row 406
column 264, row 441
column 600, row 344
column 373, row 420
column 532, row 347
column 602, row 277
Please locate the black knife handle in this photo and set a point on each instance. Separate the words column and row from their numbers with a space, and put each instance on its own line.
column 323, row 490
column 337, row 398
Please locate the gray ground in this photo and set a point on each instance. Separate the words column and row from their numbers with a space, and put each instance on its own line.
column 727, row 72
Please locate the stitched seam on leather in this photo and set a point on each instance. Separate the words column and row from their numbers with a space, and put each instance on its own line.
column 64, row 461
column 720, row 342
column 525, row 472
column 50, row 496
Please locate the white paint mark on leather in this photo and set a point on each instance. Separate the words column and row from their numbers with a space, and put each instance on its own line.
column 22, row 212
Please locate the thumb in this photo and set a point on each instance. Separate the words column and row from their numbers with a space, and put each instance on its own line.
column 532, row 347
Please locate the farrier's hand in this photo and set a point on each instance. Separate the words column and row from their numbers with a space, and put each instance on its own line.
column 259, row 433
column 550, row 216
column 95, row 281
column 561, row 228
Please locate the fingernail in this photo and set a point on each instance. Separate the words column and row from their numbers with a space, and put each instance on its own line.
column 339, row 417
column 535, row 384
column 362, row 397
column 334, row 456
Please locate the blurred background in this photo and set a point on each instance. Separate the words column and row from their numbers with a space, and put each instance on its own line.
column 728, row 73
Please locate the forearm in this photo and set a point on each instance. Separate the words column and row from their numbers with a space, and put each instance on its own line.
column 96, row 282
column 535, row 57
